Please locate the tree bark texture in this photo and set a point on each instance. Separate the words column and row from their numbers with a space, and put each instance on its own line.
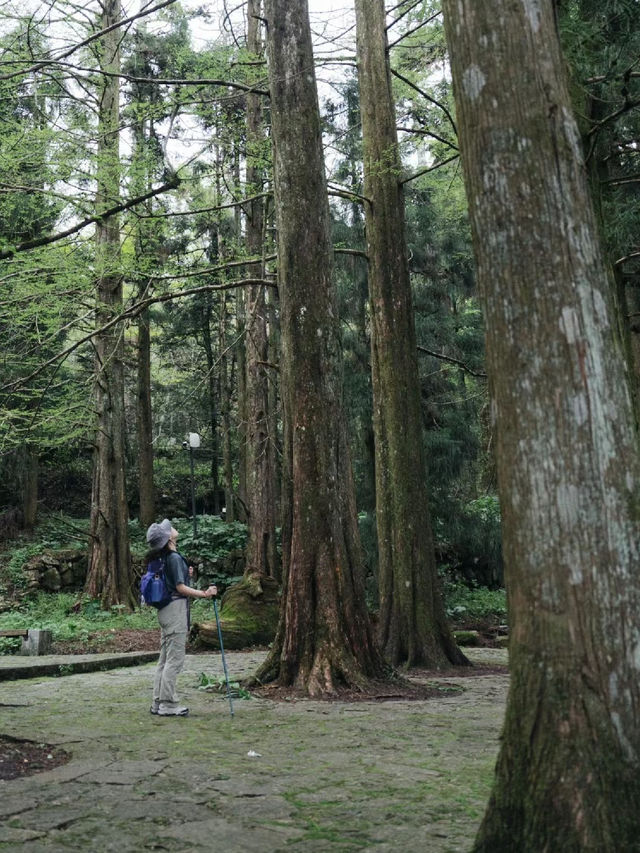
column 226, row 371
column 216, row 384
column 146, row 253
column 412, row 625
column 145, row 423
column 109, row 575
column 30, row 479
column 568, row 772
column 261, row 554
column 237, row 506
column 324, row 638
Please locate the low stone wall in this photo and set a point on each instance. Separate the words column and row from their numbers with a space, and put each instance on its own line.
column 56, row 571
column 66, row 570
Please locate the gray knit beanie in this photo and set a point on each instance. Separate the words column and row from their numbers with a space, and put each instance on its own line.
column 159, row 534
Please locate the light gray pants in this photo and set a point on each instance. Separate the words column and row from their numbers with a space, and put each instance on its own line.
column 173, row 641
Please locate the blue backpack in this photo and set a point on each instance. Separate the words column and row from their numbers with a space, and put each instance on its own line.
column 153, row 586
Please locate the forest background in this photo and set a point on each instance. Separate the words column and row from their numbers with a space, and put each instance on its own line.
column 183, row 248
column 130, row 264
column 192, row 237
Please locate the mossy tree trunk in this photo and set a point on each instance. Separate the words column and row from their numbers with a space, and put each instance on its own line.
column 109, row 575
column 145, row 421
column 145, row 248
column 30, row 485
column 568, row 772
column 324, row 638
column 262, row 554
column 412, row 625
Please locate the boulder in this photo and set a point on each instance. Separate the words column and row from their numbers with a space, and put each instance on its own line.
column 467, row 638
column 248, row 615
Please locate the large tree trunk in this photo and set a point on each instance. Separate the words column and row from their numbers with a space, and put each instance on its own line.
column 412, row 625
column 225, row 412
column 145, row 423
column 216, row 385
column 236, row 504
column 145, row 247
column 30, row 486
column 109, row 575
column 262, row 555
column 324, row 638
column 568, row 773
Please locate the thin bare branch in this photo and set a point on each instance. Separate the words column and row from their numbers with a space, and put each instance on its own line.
column 429, row 169
column 427, row 97
column 90, row 220
column 130, row 313
column 631, row 256
column 93, row 37
column 452, row 360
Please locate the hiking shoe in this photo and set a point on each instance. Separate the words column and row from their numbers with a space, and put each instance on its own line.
column 172, row 711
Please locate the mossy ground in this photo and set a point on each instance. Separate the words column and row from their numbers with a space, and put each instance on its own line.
column 329, row 776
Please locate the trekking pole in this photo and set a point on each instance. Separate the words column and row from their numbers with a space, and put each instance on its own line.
column 224, row 663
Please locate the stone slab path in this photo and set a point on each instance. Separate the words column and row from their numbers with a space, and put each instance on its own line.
column 287, row 776
column 13, row 667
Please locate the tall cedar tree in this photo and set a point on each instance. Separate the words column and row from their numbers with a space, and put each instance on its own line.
column 568, row 773
column 109, row 576
column 324, row 638
column 262, row 557
column 144, row 249
column 412, row 624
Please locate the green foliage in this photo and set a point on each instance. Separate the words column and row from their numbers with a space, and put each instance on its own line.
column 215, row 542
column 474, row 603
column 72, row 617
column 215, row 539
column 10, row 645
column 11, row 571
column 218, row 684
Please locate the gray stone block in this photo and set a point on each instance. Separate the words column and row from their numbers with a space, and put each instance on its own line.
column 37, row 642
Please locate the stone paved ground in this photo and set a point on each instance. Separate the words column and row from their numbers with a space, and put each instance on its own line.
column 367, row 776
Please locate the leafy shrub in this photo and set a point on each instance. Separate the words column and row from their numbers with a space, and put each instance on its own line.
column 10, row 645
column 216, row 542
column 473, row 603
column 218, row 684
column 70, row 617
column 215, row 538
column 11, row 571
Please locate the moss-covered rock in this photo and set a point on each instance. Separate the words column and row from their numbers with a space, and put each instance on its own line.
column 467, row 638
column 248, row 615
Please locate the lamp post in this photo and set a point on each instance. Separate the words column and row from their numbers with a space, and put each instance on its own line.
column 192, row 444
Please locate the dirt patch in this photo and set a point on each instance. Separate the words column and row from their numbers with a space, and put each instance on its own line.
column 101, row 642
column 123, row 640
column 20, row 757
column 385, row 691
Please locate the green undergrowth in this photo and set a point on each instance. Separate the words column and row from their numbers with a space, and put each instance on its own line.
column 212, row 545
column 70, row 616
column 465, row 604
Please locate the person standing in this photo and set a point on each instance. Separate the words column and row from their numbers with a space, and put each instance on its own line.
column 173, row 618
